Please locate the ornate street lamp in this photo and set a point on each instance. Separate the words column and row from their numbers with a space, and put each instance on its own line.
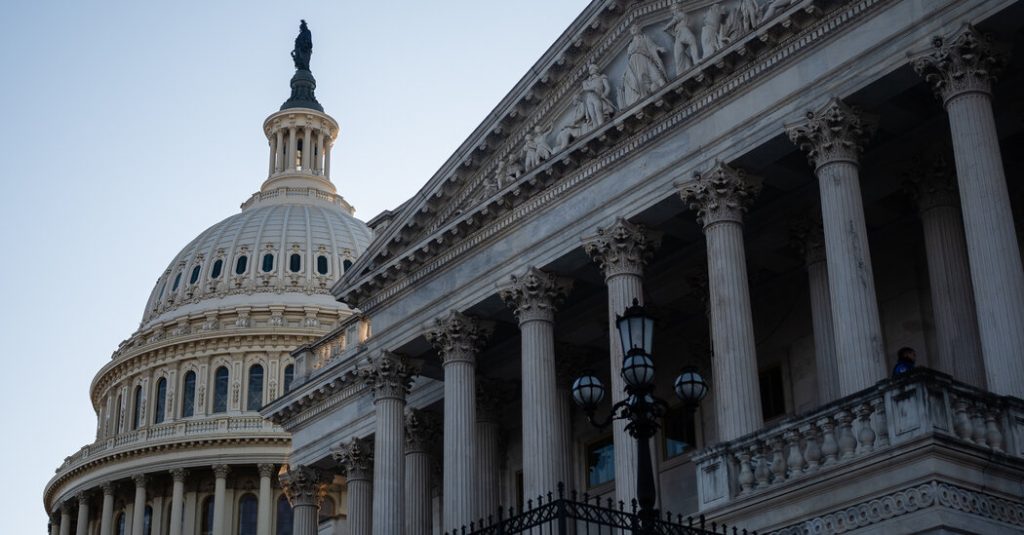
column 641, row 409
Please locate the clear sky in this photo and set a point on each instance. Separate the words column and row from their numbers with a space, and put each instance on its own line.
column 132, row 126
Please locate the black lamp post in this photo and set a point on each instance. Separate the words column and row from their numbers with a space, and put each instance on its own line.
column 641, row 408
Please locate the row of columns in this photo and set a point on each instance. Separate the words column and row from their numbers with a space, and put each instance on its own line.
column 137, row 520
column 285, row 151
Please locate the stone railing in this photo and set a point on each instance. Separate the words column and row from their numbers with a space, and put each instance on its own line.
column 892, row 413
column 169, row 433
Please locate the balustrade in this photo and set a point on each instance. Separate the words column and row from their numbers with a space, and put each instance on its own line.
column 879, row 419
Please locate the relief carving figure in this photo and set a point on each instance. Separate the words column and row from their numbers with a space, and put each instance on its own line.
column 709, row 33
column 749, row 15
column 576, row 127
column 537, row 149
column 685, row 49
column 773, row 7
column 645, row 73
column 596, row 96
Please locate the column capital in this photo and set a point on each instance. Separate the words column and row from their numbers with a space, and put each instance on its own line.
column 931, row 181
column 140, row 480
column 535, row 294
column 422, row 430
column 808, row 238
column 458, row 337
column 623, row 248
column 178, row 474
column 266, row 469
column 68, row 505
column 719, row 194
column 837, row 132
column 389, row 375
column 83, row 498
column 220, row 471
column 108, row 488
column 355, row 458
column 965, row 62
column 304, row 485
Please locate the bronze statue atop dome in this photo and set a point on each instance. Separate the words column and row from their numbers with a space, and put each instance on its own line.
column 303, row 50
column 303, row 84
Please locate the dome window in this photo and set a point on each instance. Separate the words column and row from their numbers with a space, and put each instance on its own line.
column 188, row 399
column 255, row 399
column 295, row 263
column 289, row 375
column 241, row 265
column 220, row 390
column 218, row 266
column 192, row 279
column 161, row 401
column 137, row 409
column 177, row 280
column 321, row 264
column 346, row 264
column 268, row 263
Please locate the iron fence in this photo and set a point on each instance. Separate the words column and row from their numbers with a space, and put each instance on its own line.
column 576, row 514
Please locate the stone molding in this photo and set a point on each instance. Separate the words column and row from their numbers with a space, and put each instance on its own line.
column 535, row 294
column 965, row 62
column 623, row 248
column 422, row 431
column 388, row 375
column 355, row 458
column 304, row 485
column 836, row 132
column 459, row 337
column 934, row 494
column 931, row 181
column 720, row 194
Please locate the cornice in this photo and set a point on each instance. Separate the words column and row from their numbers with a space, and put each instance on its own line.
column 698, row 90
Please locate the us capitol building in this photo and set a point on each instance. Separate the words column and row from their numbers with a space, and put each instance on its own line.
column 796, row 189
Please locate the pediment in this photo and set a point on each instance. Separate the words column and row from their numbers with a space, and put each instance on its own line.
column 616, row 68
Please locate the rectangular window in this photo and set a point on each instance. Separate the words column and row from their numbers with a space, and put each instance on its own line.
column 679, row 431
column 600, row 462
column 773, row 395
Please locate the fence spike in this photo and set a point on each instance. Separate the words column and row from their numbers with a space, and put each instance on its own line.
column 573, row 494
column 632, row 505
column 561, row 490
column 735, row 531
column 689, row 520
column 679, row 520
column 622, row 505
column 745, row 531
column 529, row 505
column 550, row 499
column 714, row 527
column 725, row 529
column 702, row 521
column 490, row 519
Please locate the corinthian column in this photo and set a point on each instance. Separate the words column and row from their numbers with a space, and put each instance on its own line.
column 422, row 431
column 720, row 196
column 305, row 488
column 961, row 70
column 107, row 514
column 621, row 251
column 83, row 514
column 65, row 518
column 809, row 239
column 220, row 484
column 533, row 297
column 491, row 396
column 933, row 188
column 355, row 461
column 177, row 499
column 389, row 377
column 833, row 138
column 139, row 512
column 263, row 508
column 457, row 339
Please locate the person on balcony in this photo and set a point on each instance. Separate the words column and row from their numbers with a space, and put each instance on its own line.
column 905, row 358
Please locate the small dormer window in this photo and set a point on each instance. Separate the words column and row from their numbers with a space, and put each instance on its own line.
column 241, row 265
column 295, row 263
column 217, row 267
column 195, row 275
column 268, row 263
column 177, row 280
column 321, row 264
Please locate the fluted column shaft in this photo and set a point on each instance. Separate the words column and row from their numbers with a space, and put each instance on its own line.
column 263, row 525
column 824, row 331
column 83, row 515
column 389, row 470
column 307, row 149
column 360, row 505
column 65, row 520
column 422, row 430
column 139, row 512
column 220, row 473
column 107, row 513
column 281, row 151
column 488, row 461
column 318, row 163
column 271, row 167
column 177, row 500
column 293, row 145
column 563, row 421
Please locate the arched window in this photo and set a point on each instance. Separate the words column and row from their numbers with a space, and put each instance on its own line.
column 346, row 264
column 220, row 390
column 241, row 265
column 295, row 262
column 206, row 526
column 161, row 401
column 137, row 408
column 188, row 395
column 284, row 516
column 120, row 524
column 321, row 265
column 117, row 415
column 326, row 509
column 162, row 288
column 247, row 515
column 289, row 374
column 255, row 399
column 147, row 521
column 177, row 280
column 268, row 263
column 217, row 267
column 195, row 275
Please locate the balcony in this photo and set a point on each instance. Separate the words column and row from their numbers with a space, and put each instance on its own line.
column 909, row 454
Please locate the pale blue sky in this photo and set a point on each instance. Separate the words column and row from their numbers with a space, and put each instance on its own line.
column 132, row 126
